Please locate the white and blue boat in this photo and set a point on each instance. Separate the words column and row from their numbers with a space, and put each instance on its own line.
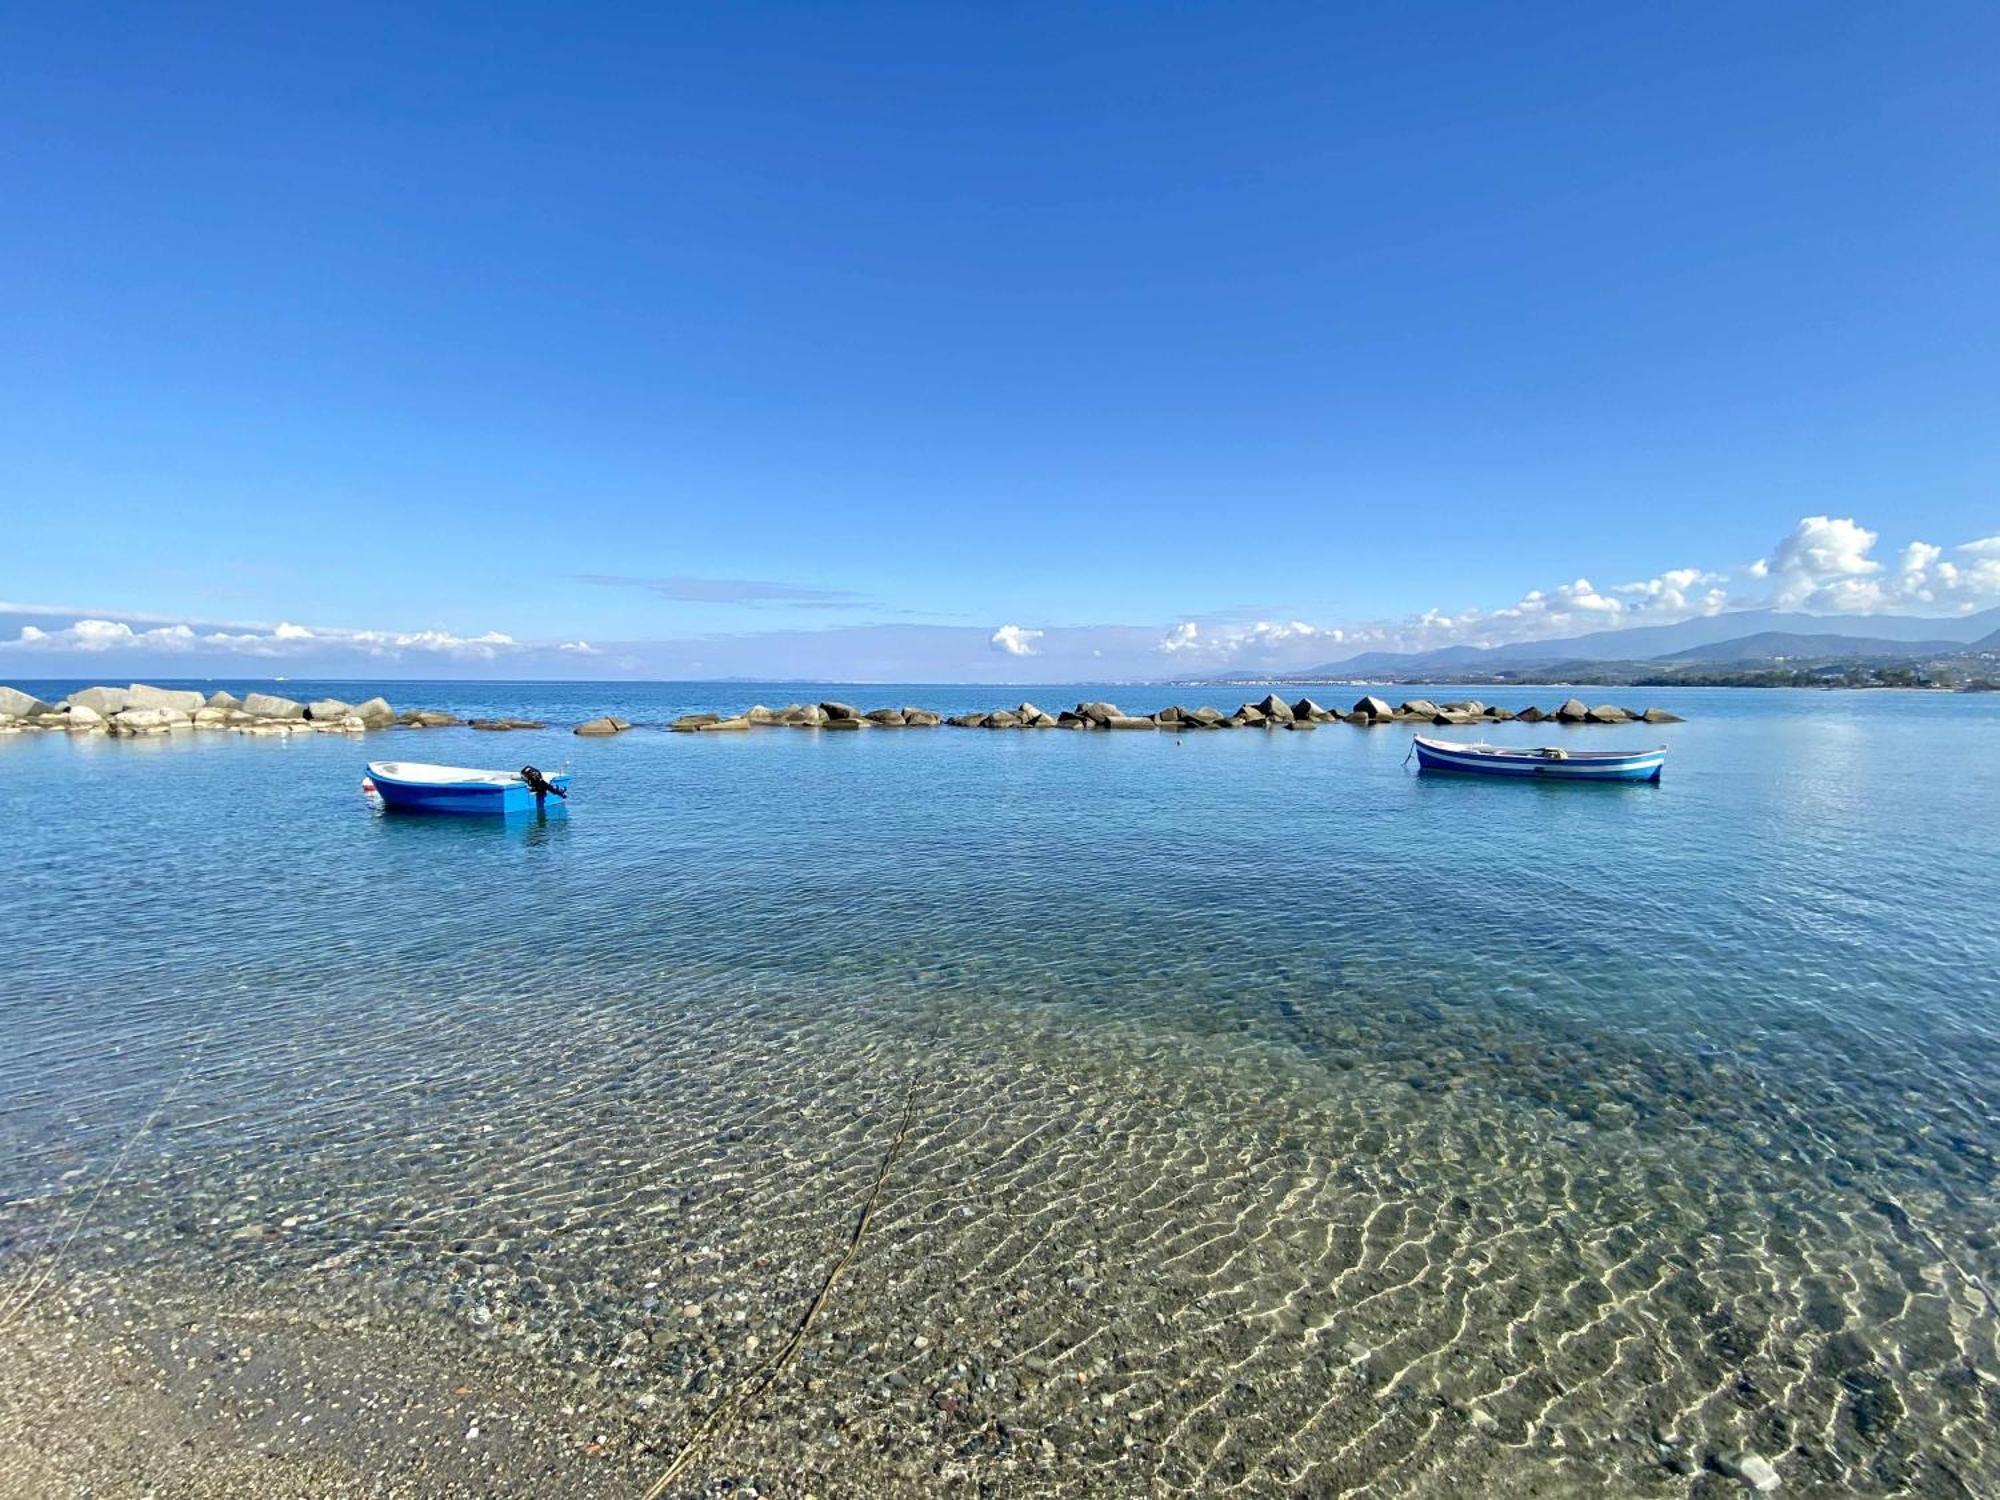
column 411, row 786
column 1549, row 763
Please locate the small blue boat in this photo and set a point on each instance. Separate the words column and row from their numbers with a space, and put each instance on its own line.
column 411, row 786
column 1550, row 763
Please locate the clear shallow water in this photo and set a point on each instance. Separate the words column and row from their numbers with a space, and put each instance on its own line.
column 1280, row 1118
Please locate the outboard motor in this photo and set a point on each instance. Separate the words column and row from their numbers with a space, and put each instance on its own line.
column 539, row 784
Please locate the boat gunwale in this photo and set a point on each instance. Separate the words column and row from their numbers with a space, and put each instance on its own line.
column 1532, row 755
column 468, row 778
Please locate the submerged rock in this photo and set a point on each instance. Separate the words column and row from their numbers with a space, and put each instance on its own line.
column 427, row 718
column 604, row 724
column 509, row 724
column 1751, row 1470
column 1660, row 716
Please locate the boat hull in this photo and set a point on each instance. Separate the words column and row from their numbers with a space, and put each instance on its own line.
column 1638, row 765
column 473, row 798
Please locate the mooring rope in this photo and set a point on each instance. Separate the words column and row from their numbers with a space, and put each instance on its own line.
column 764, row 1379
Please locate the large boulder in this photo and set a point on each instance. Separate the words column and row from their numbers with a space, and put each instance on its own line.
column 103, row 701
column 142, row 721
column 840, row 711
column 1499, row 715
column 82, row 716
column 831, row 723
column 1249, row 715
column 174, row 700
column 1001, row 718
column 1660, row 716
column 888, row 718
column 1297, row 723
column 375, row 713
column 1310, row 711
column 689, row 723
column 1129, row 721
column 1609, row 713
column 1373, row 708
column 803, row 716
column 1470, row 706
column 15, row 704
column 967, row 721
column 1099, row 714
column 226, row 701
column 427, row 718
column 604, row 724
column 1417, row 708
column 1271, row 706
column 920, row 718
column 329, row 710
column 271, row 706
column 1572, row 711
column 1530, row 715
column 1205, row 717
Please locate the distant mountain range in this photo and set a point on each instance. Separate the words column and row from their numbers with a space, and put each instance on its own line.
column 1740, row 636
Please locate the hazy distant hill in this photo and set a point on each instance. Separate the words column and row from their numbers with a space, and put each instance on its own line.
column 1650, row 642
column 1781, row 645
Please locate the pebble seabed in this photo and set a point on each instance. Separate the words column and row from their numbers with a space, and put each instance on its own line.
column 1400, row 1247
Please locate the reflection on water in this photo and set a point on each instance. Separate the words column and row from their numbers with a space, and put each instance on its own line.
column 1280, row 1119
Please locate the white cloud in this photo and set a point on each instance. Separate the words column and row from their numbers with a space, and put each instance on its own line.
column 1185, row 636
column 97, row 636
column 1825, row 566
column 1015, row 641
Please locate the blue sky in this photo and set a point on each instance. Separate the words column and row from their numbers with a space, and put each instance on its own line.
column 840, row 339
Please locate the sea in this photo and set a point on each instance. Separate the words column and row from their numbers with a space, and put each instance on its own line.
column 1236, row 1112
